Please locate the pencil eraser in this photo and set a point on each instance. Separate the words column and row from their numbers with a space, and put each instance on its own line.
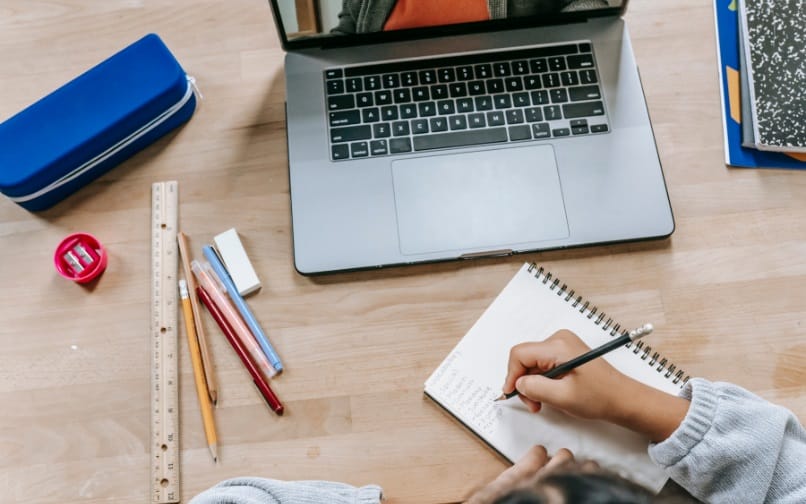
column 230, row 249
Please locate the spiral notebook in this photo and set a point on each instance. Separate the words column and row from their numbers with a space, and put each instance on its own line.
column 531, row 307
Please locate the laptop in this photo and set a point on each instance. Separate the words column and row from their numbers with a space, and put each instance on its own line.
column 514, row 126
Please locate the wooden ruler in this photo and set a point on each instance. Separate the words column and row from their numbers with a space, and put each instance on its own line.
column 164, row 344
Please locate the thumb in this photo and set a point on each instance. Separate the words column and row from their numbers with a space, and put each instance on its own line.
column 540, row 389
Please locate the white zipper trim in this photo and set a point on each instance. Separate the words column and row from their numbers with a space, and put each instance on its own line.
column 100, row 158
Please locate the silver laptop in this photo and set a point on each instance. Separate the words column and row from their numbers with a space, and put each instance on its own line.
column 517, row 127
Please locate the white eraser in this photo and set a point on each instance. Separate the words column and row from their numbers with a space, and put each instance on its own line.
column 229, row 248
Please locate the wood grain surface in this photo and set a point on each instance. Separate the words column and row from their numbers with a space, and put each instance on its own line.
column 725, row 293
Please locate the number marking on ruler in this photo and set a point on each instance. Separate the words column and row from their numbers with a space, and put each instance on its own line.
column 164, row 344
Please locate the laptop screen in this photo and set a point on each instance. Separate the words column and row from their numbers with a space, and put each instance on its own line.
column 316, row 22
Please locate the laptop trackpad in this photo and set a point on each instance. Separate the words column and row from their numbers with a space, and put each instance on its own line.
column 487, row 200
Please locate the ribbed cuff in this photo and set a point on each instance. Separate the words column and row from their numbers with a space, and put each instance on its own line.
column 370, row 494
column 695, row 426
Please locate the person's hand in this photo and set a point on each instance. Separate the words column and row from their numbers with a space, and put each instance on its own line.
column 532, row 466
column 594, row 390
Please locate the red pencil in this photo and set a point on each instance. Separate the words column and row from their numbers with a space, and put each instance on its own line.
column 260, row 382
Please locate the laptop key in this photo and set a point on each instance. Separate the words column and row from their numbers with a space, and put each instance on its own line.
column 428, row 77
column 383, row 97
column 569, row 78
column 460, row 139
column 598, row 128
column 551, row 80
column 378, row 148
column 514, row 116
column 397, row 145
column 402, row 95
column 484, row 71
column 520, row 67
column 365, row 99
column 495, row 86
column 354, row 84
column 350, row 133
column 359, row 149
column 446, row 107
column 538, row 66
column 532, row 82
column 502, row 101
column 340, row 151
column 495, row 118
column 370, row 115
column 501, row 69
column 553, row 113
column 557, row 63
column 534, row 114
column 517, row 133
column 391, row 81
column 389, row 113
column 419, row 126
column 561, row 132
column 464, row 105
column 458, row 122
column 587, row 77
column 427, row 109
column 446, row 75
column 334, row 73
column 513, row 84
column 438, row 124
column 335, row 87
column 581, row 93
column 583, row 109
column 464, row 73
column 345, row 118
column 484, row 103
column 476, row 88
column 400, row 128
column 340, row 102
column 408, row 79
column 559, row 95
column 372, row 82
column 381, row 130
column 541, row 130
column 408, row 110
column 578, row 61
column 476, row 120
column 458, row 89
column 439, row 92
column 540, row 97
column 585, row 47
column 521, row 100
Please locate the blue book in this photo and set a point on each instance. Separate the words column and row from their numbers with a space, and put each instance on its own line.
column 726, row 15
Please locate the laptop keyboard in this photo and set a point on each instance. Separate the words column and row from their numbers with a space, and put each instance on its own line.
column 423, row 105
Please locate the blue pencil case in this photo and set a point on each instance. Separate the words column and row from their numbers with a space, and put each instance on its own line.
column 92, row 123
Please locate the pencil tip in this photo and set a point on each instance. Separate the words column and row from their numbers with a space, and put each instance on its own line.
column 213, row 452
column 214, row 397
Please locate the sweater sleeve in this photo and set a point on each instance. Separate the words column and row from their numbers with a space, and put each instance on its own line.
column 734, row 446
column 268, row 491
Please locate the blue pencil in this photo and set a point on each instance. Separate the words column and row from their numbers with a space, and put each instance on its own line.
column 243, row 308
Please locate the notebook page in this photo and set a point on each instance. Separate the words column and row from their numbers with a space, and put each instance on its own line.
column 470, row 378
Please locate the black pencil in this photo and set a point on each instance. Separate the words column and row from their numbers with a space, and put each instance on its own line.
column 565, row 367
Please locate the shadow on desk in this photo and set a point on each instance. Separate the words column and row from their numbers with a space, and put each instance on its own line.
column 460, row 264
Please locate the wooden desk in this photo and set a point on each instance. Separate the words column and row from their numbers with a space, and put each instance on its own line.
column 726, row 292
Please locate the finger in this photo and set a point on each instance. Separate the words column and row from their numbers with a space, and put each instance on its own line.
column 562, row 458
column 528, row 465
column 523, row 358
column 543, row 390
column 533, row 406
column 589, row 466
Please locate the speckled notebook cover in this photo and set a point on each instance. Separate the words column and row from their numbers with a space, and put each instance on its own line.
column 775, row 48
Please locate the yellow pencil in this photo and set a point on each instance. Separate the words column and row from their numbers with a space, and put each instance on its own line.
column 198, row 373
column 207, row 363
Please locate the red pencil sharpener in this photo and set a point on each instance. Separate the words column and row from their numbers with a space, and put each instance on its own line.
column 80, row 257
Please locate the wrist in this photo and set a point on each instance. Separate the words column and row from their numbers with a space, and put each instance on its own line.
column 649, row 411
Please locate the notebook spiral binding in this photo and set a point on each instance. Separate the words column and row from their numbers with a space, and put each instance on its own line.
column 644, row 351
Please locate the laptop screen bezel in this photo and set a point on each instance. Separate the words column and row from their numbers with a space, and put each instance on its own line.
column 420, row 33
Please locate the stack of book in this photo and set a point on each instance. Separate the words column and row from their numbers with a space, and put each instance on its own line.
column 762, row 67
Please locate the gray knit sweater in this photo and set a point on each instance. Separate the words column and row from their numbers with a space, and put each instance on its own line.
column 367, row 16
column 733, row 447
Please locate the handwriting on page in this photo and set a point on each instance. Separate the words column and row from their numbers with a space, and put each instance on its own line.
column 470, row 401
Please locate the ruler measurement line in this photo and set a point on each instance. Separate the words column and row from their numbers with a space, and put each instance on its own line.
column 164, row 353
